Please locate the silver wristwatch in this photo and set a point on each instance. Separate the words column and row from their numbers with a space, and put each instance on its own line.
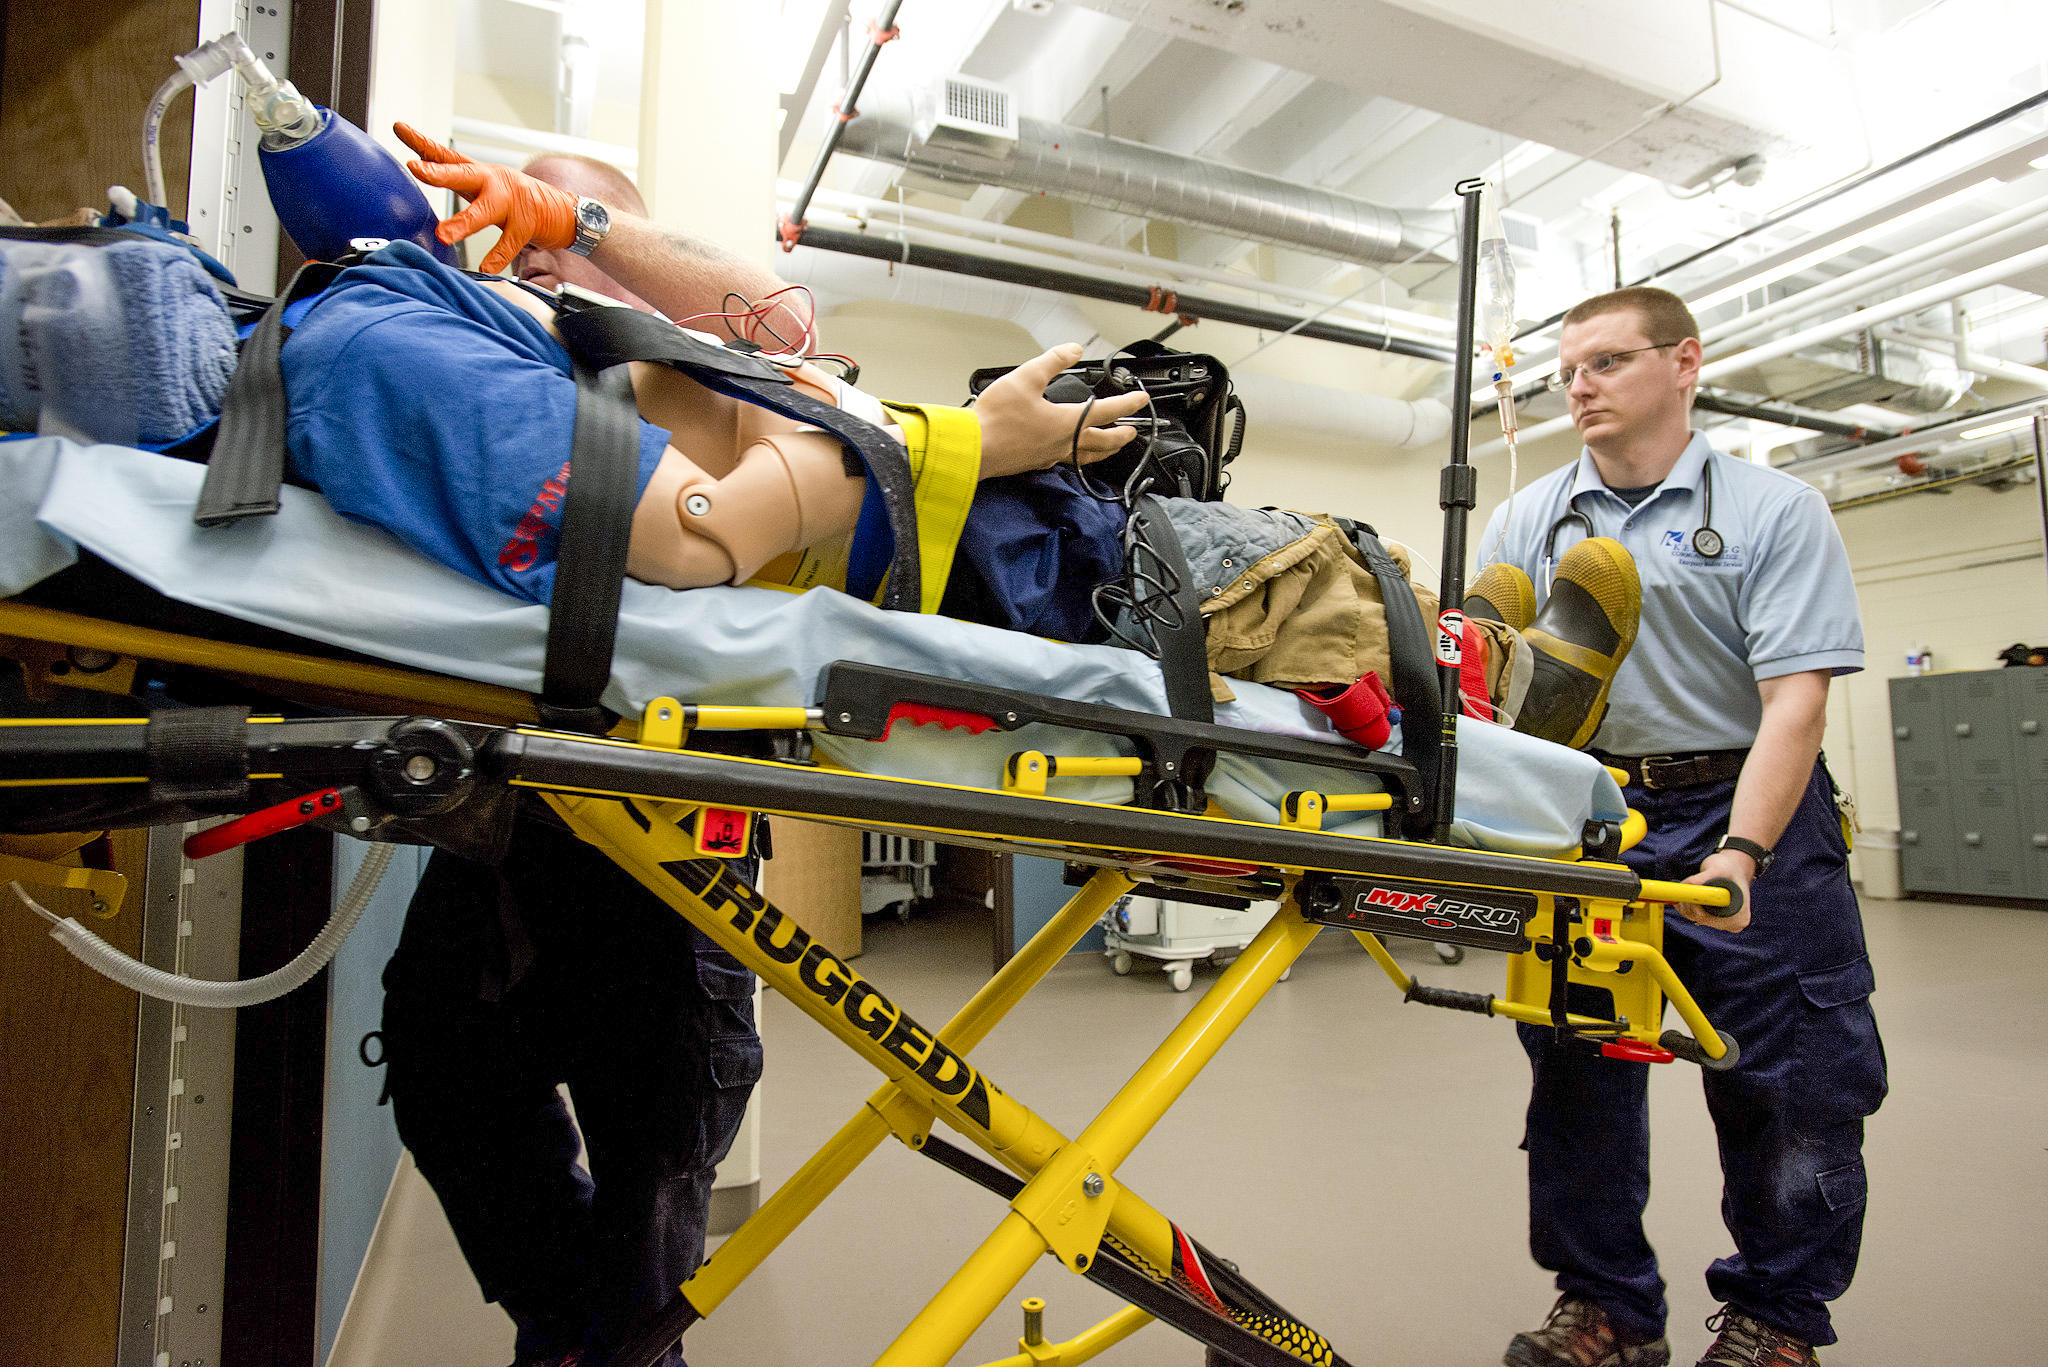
column 593, row 221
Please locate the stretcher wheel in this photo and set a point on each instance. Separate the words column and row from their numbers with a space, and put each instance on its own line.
column 1182, row 976
column 903, row 913
column 1120, row 963
column 1450, row 954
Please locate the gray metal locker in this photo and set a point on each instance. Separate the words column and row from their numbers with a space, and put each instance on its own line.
column 2027, row 690
column 1927, row 840
column 1980, row 727
column 1989, row 820
column 1972, row 756
column 1919, row 735
column 2034, row 839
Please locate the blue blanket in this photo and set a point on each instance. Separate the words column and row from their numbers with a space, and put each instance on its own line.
column 128, row 342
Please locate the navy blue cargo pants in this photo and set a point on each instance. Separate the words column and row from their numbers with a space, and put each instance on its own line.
column 1793, row 989
column 556, row 967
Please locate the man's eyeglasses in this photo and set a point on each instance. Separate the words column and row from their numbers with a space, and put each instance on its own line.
column 1602, row 363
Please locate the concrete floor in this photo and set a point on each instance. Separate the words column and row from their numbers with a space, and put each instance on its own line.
column 1357, row 1159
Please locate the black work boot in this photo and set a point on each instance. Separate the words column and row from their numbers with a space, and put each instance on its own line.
column 1577, row 1334
column 1741, row 1341
column 1580, row 639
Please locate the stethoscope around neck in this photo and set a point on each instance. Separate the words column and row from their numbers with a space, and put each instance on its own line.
column 1706, row 542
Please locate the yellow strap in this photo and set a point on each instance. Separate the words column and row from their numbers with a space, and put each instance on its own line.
column 944, row 445
column 1578, row 656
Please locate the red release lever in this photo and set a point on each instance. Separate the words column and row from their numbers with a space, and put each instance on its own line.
column 269, row 821
column 1634, row 1052
column 924, row 714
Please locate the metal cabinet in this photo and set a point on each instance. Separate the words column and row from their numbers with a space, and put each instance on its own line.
column 1972, row 758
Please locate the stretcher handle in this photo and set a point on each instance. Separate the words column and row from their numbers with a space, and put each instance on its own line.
column 283, row 817
column 1720, row 897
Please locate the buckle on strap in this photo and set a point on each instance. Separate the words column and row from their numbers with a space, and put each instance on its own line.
column 1649, row 782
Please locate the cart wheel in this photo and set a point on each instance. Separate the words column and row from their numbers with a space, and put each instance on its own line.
column 1120, row 963
column 1183, row 976
column 1450, row 954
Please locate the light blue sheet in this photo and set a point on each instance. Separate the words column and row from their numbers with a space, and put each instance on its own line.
column 309, row 572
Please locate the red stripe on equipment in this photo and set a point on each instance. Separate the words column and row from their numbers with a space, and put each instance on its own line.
column 924, row 714
column 1190, row 1274
column 283, row 817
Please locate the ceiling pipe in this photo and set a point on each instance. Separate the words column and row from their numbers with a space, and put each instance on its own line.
column 1082, row 167
column 834, row 279
column 1816, row 200
column 1089, row 286
column 1942, row 440
column 2002, row 230
column 1984, row 365
column 886, row 213
column 1273, row 401
column 1938, row 293
column 1152, row 291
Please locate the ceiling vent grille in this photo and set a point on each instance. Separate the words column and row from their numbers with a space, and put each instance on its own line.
column 971, row 116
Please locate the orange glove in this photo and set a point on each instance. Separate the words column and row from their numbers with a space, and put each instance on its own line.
column 525, row 210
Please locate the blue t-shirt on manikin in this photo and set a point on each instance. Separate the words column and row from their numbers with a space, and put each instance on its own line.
column 424, row 404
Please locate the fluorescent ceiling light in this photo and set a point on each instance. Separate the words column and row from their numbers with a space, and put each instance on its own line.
column 1835, row 249
column 2039, row 163
column 1995, row 428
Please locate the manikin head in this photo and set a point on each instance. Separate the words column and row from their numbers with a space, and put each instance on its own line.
column 586, row 178
column 1644, row 400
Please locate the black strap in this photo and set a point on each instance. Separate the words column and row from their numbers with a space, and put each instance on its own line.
column 590, row 560
column 246, row 469
column 1414, row 683
column 1181, row 634
column 610, row 336
column 198, row 754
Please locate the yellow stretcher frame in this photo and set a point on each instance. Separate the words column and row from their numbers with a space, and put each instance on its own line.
column 1071, row 1204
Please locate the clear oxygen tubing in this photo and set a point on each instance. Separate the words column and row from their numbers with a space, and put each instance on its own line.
column 1497, row 326
column 102, row 958
column 280, row 111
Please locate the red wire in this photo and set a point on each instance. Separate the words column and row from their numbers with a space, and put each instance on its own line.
column 758, row 312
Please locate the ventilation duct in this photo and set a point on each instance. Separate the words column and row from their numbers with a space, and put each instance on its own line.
column 1128, row 178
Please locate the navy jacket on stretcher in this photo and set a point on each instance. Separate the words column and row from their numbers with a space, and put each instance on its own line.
column 423, row 404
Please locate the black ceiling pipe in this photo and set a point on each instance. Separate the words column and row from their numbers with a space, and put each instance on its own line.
column 1114, row 292
column 1713, row 403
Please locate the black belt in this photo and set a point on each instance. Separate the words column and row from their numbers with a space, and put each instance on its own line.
column 1678, row 771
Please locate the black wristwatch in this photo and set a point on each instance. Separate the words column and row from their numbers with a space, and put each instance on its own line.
column 1762, row 856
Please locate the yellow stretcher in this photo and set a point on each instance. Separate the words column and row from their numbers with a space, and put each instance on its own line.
column 1583, row 934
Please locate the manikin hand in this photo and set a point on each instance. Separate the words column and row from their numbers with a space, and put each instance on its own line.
column 1023, row 430
column 525, row 210
column 1738, row 868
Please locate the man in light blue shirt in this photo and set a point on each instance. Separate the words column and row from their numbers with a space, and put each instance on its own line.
column 1717, row 713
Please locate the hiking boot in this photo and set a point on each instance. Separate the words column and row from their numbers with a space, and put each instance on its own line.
column 1577, row 1334
column 1503, row 593
column 1745, row 1342
column 1580, row 639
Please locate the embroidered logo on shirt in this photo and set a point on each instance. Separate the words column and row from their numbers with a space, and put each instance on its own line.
column 524, row 548
column 1680, row 545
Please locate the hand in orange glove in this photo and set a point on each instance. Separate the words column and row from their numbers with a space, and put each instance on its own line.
column 524, row 210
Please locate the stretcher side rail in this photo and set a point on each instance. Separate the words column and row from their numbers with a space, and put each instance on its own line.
column 289, row 756
column 862, row 701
